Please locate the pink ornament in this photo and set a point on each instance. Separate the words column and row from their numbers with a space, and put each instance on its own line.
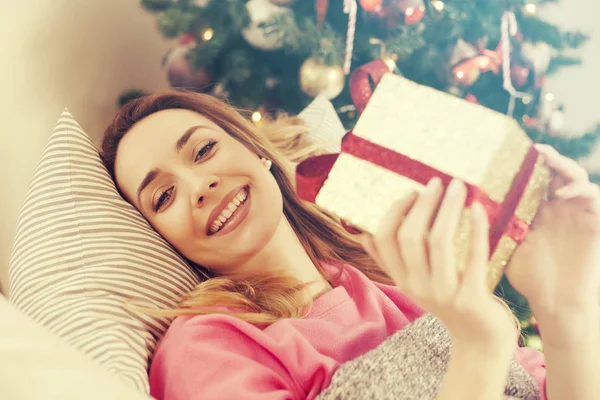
column 371, row 5
column 413, row 10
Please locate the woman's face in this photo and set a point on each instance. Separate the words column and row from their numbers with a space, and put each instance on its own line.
column 209, row 196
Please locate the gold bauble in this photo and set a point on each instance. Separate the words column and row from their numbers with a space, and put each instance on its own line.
column 282, row 2
column 318, row 78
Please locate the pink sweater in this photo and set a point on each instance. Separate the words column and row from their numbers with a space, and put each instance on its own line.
column 221, row 357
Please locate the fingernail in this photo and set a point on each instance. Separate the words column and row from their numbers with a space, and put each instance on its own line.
column 563, row 192
column 454, row 187
column 433, row 185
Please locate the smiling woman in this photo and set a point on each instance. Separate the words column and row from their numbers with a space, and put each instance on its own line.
column 289, row 295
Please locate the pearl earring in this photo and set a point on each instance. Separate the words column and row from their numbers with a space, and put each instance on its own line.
column 267, row 163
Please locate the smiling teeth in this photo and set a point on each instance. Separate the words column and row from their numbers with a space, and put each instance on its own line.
column 228, row 211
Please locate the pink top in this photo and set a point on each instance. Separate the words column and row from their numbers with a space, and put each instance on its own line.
column 218, row 356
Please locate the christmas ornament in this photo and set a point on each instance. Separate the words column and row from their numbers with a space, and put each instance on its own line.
column 283, row 3
column 508, row 28
column 264, row 38
column 318, row 78
column 467, row 63
column 463, row 71
column 180, row 72
column 471, row 98
column 413, row 10
column 321, row 10
column 350, row 8
column 538, row 55
column 371, row 5
column 519, row 75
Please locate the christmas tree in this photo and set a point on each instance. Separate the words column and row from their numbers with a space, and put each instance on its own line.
column 272, row 55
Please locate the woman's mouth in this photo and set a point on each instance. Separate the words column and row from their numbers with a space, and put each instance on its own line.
column 232, row 215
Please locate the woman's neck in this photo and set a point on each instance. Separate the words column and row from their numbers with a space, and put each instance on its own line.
column 285, row 252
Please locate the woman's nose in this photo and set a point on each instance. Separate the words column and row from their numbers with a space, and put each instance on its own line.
column 203, row 189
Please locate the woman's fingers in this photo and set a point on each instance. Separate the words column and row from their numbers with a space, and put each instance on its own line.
column 413, row 235
column 384, row 241
column 441, row 240
column 475, row 274
column 572, row 181
column 562, row 165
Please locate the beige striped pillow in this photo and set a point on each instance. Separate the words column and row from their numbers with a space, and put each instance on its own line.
column 80, row 250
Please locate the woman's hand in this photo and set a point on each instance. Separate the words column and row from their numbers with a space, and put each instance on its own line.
column 416, row 249
column 557, row 267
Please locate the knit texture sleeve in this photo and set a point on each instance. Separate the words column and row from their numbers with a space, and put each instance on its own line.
column 217, row 360
column 411, row 364
column 534, row 363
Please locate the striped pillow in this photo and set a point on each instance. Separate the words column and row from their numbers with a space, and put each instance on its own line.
column 80, row 250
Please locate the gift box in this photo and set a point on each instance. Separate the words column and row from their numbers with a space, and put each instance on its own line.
column 410, row 133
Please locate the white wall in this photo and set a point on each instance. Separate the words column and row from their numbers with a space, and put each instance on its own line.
column 76, row 53
column 83, row 53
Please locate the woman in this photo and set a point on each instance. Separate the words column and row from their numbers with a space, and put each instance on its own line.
column 291, row 295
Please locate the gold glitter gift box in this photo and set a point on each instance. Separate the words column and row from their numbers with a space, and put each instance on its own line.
column 410, row 133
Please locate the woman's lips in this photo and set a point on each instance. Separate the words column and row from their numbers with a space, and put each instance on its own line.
column 237, row 217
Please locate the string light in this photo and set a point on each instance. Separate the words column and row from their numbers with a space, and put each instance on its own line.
column 526, row 99
column 391, row 63
column 525, row 118
column 549, row 96
column 530, row 8
column 460, row 74
column 388, row 59
column 256, row 116
column 438, row 5
column 208, row 34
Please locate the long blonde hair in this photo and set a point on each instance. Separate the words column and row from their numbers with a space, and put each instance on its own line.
column 259, row 299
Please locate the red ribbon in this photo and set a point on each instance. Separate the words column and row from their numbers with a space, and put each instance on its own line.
column 312, row 173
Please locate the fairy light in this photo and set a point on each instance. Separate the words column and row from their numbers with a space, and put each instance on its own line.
column 526, row 99
column 391, row 63
column 388, row 59
column 549, row 96
column 208, row 34
column 460, row 74
column 438, row 5
column 530, row 8
column 256, row 116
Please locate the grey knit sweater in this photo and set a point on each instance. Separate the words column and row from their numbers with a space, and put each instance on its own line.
column 410, row 365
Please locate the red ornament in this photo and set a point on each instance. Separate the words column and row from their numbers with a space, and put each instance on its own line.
column 519, row 75
column 371, row 5
column 180, row 72
column 413, row 10
column 471, row 98
column 321, row 9
column 466, row 73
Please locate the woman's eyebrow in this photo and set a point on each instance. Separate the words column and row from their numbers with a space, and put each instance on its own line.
column 180, row 144
column 186, row 136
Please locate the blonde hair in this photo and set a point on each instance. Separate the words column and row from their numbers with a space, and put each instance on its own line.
column 259, row 299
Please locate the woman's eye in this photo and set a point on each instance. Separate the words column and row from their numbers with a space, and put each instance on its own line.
column 162, row 198
column 206, row 149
